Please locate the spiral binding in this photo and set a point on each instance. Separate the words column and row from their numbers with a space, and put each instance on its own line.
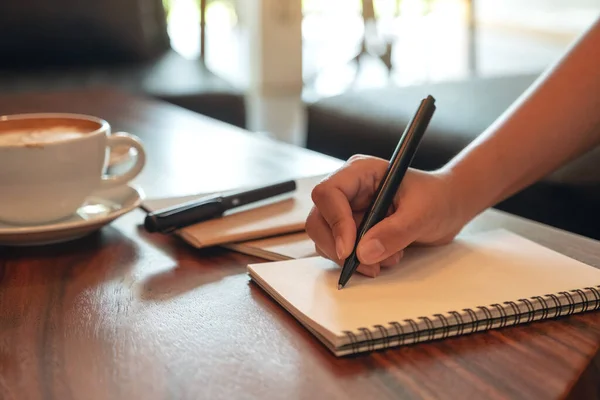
column 457, row 323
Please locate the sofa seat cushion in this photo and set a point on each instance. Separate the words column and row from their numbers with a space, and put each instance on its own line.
column 372, row 120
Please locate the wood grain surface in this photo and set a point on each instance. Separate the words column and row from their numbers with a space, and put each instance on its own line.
column 122, row 314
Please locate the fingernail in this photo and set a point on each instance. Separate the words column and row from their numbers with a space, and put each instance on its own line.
column 371, row 250
column 339, row 247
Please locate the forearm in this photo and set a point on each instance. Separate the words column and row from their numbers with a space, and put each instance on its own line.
column 555, row 121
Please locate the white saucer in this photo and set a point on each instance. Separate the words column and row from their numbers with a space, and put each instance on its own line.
column 99, row 209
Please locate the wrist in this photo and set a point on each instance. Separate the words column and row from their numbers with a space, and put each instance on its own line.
column 471, row 190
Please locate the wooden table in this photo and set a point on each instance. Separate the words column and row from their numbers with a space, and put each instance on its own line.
column 122, row 314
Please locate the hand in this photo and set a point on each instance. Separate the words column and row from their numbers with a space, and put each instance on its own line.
column 424, row 211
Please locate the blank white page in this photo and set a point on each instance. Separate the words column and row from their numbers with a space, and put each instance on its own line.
column 475, row 270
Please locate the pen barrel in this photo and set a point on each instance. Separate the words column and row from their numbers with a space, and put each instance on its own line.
column 258, row 194
column 195, row 211
column 399, row 164
column 170, row 221
column 390, row 183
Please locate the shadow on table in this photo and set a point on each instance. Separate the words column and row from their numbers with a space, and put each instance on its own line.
column 194, row 268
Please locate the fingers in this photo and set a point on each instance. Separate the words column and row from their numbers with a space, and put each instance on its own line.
column 418, row 214
column 390, row 236
column 321, row 252
column 320, row 233
column 369, row 270
column 393, row 260
column 340, row 202
column 337, row 196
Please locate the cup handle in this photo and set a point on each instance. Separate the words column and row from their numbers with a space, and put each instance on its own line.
column 125, row 139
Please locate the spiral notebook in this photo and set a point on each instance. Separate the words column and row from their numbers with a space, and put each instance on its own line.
column 478, row 282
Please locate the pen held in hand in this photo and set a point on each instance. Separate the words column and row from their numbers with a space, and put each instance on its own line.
column 384, row 196
column 179, row 216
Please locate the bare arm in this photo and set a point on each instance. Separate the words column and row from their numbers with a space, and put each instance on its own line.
column 556, row 120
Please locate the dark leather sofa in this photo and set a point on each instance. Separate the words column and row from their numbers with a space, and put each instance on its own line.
column 70, row 44
column 370, row 122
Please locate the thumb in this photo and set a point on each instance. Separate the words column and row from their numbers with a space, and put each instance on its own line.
column 388, row 237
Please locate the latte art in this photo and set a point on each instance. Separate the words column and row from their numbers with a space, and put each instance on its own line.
column 39, row 136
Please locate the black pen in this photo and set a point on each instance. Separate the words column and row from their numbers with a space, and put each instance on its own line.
column 399, row 163
column 169, row 219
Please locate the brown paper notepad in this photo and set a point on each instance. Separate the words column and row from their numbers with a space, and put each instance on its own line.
column 278, row 248
column 271, row 219
column 480, row 281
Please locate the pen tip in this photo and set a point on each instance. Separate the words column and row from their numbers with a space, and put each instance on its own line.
column 339, row 287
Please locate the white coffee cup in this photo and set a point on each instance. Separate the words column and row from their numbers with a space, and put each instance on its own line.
column 50, row 163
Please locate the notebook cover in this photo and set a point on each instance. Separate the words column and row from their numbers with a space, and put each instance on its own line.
column 277, row 248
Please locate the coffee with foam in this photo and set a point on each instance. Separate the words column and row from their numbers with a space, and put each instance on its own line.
column 47, row 135
column 50, row 163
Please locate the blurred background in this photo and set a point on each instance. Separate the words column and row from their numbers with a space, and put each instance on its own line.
column 356, row 44
column 261, row 64
column 338, row 77
column 428, row 39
